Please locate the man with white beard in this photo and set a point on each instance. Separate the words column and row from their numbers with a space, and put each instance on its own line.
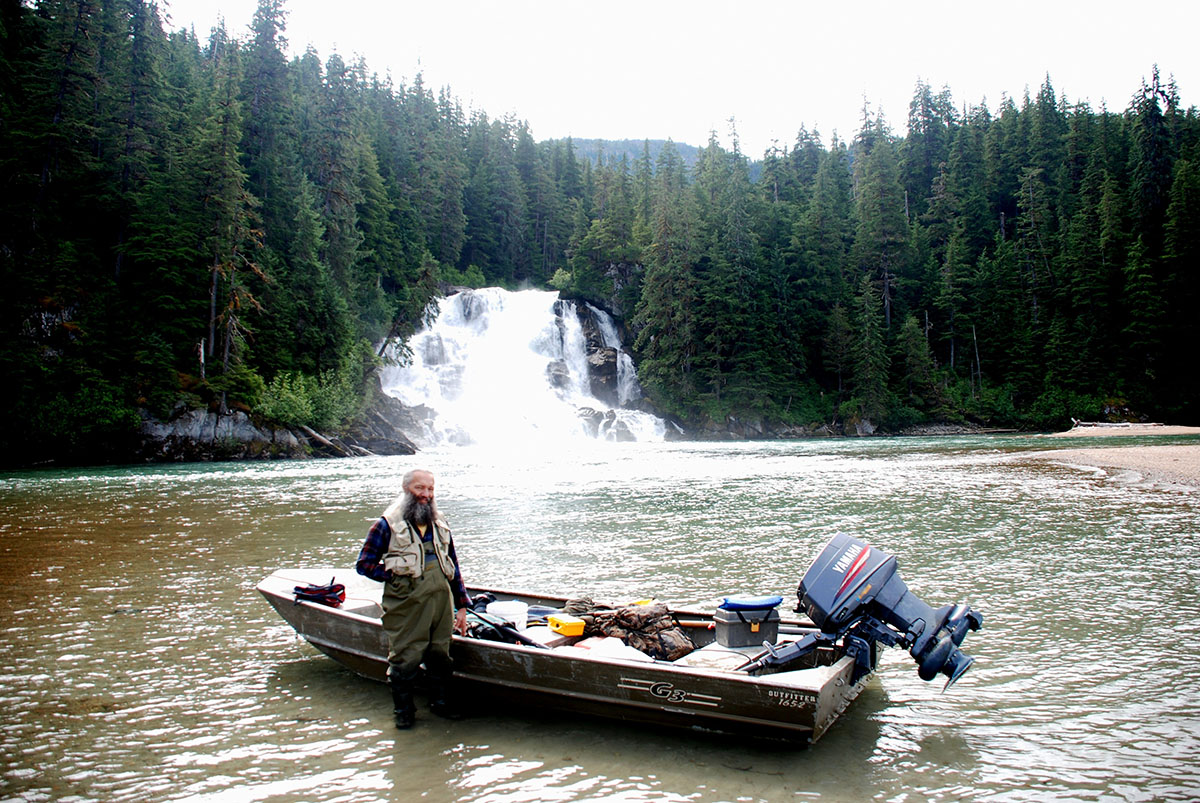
column 411, row 551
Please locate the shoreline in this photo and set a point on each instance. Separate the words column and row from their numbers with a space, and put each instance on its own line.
column 1124, row 431
column 1167, row 463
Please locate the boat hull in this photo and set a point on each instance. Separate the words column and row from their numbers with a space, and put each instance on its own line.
column 797, row 706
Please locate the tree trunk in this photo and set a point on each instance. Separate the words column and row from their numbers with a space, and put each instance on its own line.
column 212, row 309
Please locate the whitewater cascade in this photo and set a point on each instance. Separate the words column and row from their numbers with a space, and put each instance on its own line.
column 507, row 368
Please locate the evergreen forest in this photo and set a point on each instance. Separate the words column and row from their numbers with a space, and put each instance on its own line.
column 206, row 222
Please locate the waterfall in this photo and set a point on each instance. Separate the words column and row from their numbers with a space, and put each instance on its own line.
column 628, row 388
column 507, row 368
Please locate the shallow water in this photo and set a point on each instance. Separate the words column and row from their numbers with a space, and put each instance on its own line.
column 140, row 664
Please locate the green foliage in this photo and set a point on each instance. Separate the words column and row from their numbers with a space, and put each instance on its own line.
column 240, row 386
column 472, row 276
column 82, row 424
column 900, row 416
column 561, row 280
column 809, row 405
column 990, row 404
column 323, row 402
column 287, row 400
column 295, row 399
column 334, row 400
column 918, row 381
column 870, row 360
column 1056, row 407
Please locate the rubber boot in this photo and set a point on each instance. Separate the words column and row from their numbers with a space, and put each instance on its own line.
column 403, row 707
column 441, row 702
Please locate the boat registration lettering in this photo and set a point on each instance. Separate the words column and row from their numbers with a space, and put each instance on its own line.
column 668, row 692
column 791, row 699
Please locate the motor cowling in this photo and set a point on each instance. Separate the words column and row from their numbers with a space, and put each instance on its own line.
column 854, row 589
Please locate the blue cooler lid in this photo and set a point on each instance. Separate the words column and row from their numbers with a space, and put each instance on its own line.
column 750, row 603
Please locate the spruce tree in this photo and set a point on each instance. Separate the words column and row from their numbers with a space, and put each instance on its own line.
column 880, row 242
column 869, row 357
column 231, row 225
column 666, row 315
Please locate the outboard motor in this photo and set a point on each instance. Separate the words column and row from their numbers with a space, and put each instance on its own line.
column 853, row 593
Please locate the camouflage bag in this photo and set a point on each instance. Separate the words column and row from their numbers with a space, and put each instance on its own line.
column 648, row 628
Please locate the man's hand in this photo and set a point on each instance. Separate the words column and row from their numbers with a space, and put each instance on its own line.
column 460, row 621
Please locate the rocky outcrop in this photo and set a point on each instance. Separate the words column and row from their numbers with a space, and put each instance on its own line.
column 381, row 427
column 863, row 426
column 603, row 360
column 605, row 425
column 592, row 332
column 603, row 376
column 558, row 374
column 734, row 428
column 945, row 428
column 203, row 435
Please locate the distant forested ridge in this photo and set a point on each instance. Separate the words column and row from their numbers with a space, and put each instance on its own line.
column 601, row 151
column 206, row 222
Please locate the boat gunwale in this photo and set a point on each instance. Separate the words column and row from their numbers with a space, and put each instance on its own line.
column 655, row 664
column 706, row 617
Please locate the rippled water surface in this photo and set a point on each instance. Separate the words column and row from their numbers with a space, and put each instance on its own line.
column 139, row 663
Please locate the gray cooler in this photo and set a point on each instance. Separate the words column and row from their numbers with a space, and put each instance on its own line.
column 746, row 627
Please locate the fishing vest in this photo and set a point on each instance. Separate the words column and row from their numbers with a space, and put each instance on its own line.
column 406, row 551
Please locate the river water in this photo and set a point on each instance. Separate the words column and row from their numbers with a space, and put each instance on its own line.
column 139, row 663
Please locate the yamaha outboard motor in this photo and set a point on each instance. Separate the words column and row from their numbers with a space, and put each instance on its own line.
column 853, row 593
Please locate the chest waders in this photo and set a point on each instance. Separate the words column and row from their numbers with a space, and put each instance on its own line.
column 418, row 618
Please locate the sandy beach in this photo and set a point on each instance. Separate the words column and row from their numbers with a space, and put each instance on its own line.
column 1170, row 463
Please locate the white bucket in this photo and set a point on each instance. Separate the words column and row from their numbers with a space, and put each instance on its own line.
column 512, row 610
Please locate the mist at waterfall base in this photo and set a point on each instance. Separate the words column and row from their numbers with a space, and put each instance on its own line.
column 497, row 368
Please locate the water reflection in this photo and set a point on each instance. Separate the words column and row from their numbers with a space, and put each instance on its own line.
column 140, row 664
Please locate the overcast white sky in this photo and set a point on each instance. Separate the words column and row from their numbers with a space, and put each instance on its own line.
column 655, row 69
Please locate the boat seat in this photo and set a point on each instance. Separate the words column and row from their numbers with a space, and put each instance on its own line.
column 548, row 638
column 716, row 656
